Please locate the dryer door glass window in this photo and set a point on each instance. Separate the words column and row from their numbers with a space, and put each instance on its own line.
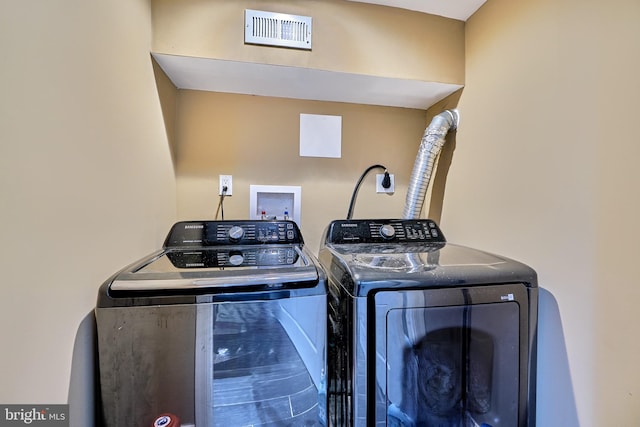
column 452, row 365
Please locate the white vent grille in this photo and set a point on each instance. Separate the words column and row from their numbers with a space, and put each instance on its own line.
column 277, row 29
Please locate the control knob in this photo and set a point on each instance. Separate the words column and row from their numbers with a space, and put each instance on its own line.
column 387, row 231
column 235, row 233
column 236, row 258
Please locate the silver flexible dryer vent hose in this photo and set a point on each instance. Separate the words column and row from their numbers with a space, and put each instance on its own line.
column 432, row 141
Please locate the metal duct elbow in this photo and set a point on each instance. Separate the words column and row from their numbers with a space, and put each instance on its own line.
column 430, row 145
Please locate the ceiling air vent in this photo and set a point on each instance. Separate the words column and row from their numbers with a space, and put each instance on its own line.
column 277, row 29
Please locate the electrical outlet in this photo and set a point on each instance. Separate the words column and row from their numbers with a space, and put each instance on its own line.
column 225, row 181
column 380, row 188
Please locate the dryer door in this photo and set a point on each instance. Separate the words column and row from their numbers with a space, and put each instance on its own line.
column 451, row 357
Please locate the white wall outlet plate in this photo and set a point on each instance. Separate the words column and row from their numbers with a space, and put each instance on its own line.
column 225, row 181
column 380, row 188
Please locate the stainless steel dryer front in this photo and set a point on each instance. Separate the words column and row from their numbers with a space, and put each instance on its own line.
column 423, row 333
column 224, row 326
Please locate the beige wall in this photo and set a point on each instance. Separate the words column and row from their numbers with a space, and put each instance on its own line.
column 347, row 36
column 86, row 177
column 256, row 139
column 543, row 168
column 544, row 171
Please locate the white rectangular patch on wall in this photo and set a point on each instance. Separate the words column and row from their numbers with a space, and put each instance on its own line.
column 320, row 136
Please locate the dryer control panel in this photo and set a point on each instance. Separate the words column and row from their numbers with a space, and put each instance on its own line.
column 384, row 231
column 237, row 233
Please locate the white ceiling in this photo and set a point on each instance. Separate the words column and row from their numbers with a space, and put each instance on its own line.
column 456, row 9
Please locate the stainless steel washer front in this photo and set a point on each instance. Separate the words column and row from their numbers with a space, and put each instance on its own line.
column 225, row 325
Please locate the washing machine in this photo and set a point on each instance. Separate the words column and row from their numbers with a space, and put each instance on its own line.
column 225, row 325
column 426, row 333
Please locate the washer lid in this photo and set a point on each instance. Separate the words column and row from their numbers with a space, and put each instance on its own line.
column 214, row 270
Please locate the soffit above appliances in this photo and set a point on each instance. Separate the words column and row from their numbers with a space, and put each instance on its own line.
column 214, row 75
column 197, row 72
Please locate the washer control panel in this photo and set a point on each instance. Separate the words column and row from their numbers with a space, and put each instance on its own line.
column 384, row 231
column 223, row 233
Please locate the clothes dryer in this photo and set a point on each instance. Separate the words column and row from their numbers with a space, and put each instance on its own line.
column 426, row 333
column 224, row 326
